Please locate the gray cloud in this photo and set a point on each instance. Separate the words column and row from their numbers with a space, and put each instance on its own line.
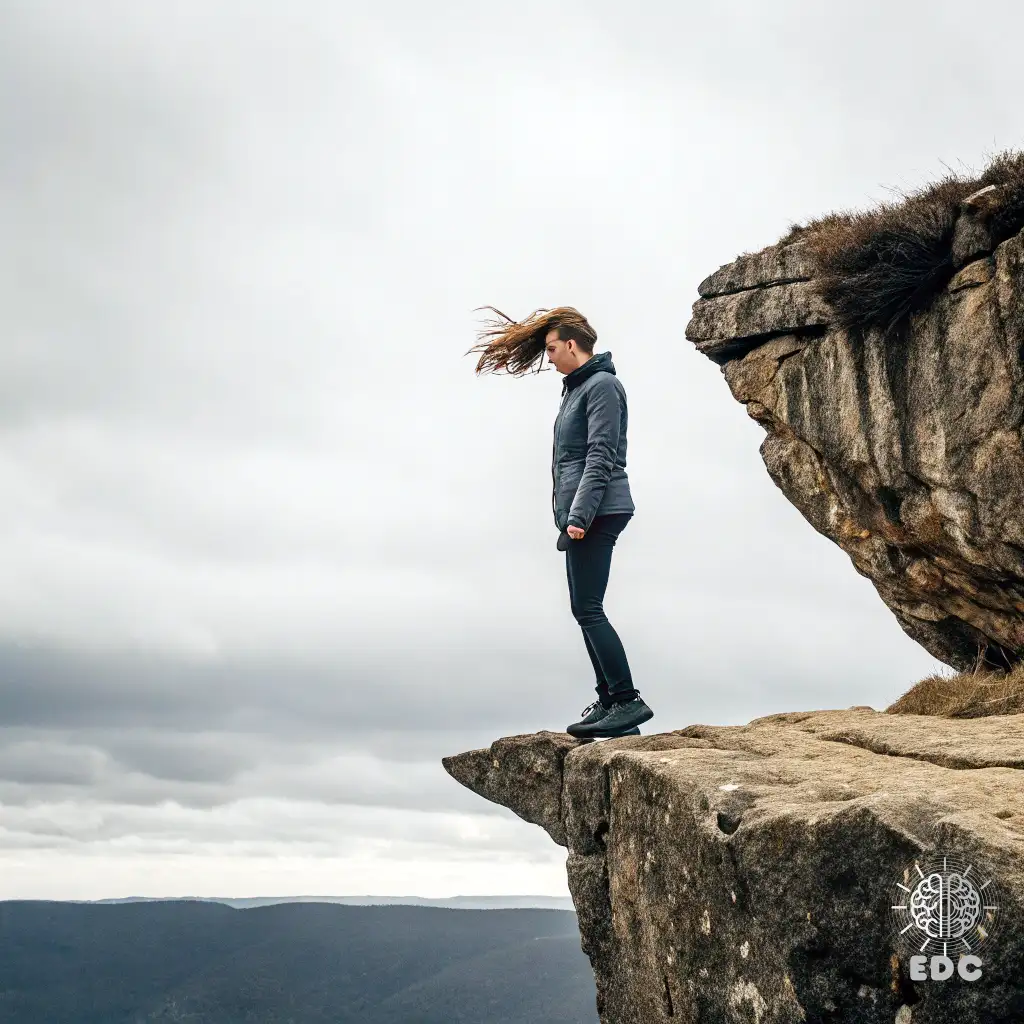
column 270, row 550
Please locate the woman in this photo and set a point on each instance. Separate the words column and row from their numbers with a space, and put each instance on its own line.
column 590, row 496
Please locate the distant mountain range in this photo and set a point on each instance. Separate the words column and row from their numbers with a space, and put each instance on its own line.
column 301, row 960
column 449, row 902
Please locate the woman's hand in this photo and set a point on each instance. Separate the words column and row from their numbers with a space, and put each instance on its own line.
column 576, row 532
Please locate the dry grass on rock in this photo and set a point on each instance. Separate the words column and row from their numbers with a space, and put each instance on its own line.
column 878, row 267
column 965, row 695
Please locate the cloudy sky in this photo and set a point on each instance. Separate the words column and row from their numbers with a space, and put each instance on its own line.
column 269, row 548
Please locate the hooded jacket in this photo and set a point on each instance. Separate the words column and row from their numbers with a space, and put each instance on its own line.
column 588, row 456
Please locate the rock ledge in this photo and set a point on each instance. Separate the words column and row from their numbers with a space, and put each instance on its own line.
column 742, row 873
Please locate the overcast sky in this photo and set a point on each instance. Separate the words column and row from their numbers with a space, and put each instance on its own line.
column 269, row 548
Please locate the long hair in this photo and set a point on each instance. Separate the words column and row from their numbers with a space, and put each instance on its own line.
column 514, row 346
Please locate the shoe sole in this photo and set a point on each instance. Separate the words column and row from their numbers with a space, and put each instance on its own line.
column 598, row 734
column 586, row 729
column 635, row 731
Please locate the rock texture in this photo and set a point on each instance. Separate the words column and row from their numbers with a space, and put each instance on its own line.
column 906, row 450
column 743, row 874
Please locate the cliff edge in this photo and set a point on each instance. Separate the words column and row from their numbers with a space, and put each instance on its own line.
column 744, row 873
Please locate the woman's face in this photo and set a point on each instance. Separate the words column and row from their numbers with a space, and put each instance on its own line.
column 562, row 355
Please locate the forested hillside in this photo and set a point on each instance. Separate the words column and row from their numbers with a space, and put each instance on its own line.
column 299, row 963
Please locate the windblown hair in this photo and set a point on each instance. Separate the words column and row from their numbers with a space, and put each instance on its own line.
column 876, row 268
column 514, row 346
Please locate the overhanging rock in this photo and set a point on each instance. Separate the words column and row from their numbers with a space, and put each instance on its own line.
column 903, row 448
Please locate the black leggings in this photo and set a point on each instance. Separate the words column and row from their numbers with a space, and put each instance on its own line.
column 587, row 565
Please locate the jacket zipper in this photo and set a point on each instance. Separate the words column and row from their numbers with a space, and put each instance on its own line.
column 554, row 450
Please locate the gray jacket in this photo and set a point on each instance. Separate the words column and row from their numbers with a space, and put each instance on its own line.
column 588, row 458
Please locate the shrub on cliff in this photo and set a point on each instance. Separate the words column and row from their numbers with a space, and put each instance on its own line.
column 965, row 695
column 875, row 268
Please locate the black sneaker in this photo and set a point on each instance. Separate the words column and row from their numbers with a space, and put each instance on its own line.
column 591, row 716
column 620, row 719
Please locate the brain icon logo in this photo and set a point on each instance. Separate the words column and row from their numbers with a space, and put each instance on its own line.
column 943, row 907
